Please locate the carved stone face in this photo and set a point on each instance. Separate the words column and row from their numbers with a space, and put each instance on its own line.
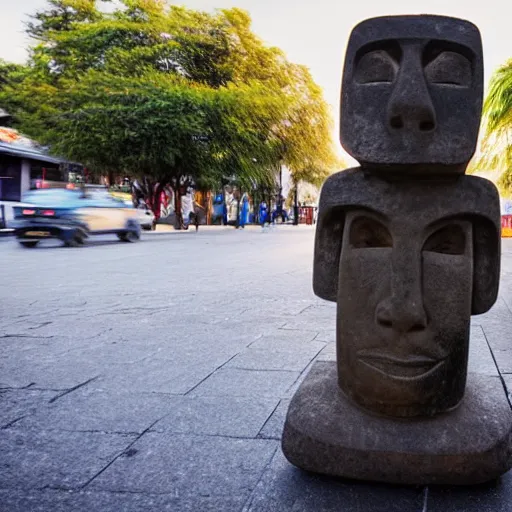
column 404, row 307
column 412, row 93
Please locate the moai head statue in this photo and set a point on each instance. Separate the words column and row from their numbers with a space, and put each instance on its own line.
column 409, row 259
column 412, row 93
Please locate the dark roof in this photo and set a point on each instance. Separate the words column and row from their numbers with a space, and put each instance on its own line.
column 28, row 153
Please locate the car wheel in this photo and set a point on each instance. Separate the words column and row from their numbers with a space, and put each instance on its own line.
column 28, row 244
column 78, row 239
column 129, row 236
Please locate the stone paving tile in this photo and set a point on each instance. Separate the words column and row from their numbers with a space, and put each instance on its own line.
column 68, row 460
column 154, row 376
column 89, row 410
column 507, row 379
column 261, row 359
column 480, row 356
column 503, row 359
column 498, row 333
column 19, row 403
column 57, row 374
column 328, row 336
column 262, row 383
column 221, row 416
column 50, row 500
column 328, row 353
column 284, row 488
column 167, row 329
column 287, row 340
column 495, row 496
column 273, row 428
column 189, row 466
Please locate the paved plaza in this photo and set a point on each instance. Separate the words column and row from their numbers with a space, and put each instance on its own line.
column 156, row 377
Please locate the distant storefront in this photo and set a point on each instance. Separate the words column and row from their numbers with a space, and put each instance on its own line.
column 23, row 168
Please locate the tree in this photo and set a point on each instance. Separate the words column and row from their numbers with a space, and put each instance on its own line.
column 497, row 143
column 169, row 94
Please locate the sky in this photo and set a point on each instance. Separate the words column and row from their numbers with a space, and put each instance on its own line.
column 312, row 32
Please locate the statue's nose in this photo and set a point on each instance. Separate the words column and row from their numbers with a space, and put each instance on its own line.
column 403, row 308
column 410, row 106
column 401, row 315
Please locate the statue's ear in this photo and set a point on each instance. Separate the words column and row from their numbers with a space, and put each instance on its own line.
column 486, row 261
column 329, row 235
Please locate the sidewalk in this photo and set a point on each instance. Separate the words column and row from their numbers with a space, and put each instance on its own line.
column 163, row 386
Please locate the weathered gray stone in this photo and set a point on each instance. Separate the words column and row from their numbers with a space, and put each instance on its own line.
column 494, row 496
column 231, row 382
column 328, row 353
column 508, row 386
column 16, row 404
column 189, row 465
column 217, row 416
column 68, row 460
column 260, row 359
column 153, row 376
column 406, row 284
column 89, row 410
column 412, row 93
column 50, row 500
column 468, row 445
column 284, row 488
column 480, row 355
column 273, row 428
column 419, row 203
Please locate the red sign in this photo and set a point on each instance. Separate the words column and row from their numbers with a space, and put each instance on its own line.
column 506, row 226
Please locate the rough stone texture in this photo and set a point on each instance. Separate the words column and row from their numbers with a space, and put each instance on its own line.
column 179, row 304
column 233, row 382
column 494, row 496
column 410, row 271
column 284, row 488
column 85, row 501
column 17, row 404
column 217, row 416
column 412, row 93
column 189, row 465
column 466, row 446
column 273, row 428
column 68, row 460
column 87, row 410
column 419, row 202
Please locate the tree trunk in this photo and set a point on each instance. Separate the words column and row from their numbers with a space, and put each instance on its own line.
column 296, row 206
column 178, row 223
column 208, row 206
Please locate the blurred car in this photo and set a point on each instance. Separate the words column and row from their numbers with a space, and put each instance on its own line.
column 72, row 216
column 144, row 215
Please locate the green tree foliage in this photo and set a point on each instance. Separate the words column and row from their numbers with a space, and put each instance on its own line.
column 497, row 143
column 166, row 92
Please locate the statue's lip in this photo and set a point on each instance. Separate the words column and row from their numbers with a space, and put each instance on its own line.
column 401, row 368
column 410, row 361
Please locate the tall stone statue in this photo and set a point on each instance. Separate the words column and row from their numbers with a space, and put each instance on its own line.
column 408, row 247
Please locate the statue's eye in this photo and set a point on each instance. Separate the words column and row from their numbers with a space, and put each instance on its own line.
column 366, row 232
column 447, row 240
column 376, row 67
column 448, row 68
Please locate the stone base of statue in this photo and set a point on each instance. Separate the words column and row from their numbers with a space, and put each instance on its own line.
column 326, row 433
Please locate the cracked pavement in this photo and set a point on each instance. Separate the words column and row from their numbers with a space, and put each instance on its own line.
column 156, row 377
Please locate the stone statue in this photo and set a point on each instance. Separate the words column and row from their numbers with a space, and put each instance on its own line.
column 409, row 248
